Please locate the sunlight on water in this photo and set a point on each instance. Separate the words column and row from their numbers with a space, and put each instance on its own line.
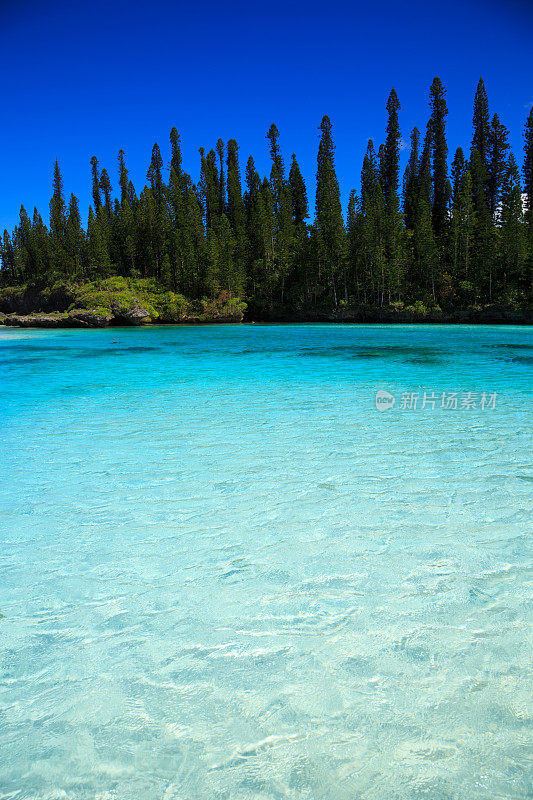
column 225, row 574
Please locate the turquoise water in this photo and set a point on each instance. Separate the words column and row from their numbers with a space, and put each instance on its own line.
column 224, row 574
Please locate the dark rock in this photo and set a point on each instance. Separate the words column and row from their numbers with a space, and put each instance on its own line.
column 91, row 319
column 37, row 320
column 131, row 316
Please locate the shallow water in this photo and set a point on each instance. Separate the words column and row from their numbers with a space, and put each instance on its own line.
column 225, row 574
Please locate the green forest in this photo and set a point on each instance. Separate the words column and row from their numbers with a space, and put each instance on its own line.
column 454, row 230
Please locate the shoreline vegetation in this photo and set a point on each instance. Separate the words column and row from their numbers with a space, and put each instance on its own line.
column 138, row 302
column 446, row 243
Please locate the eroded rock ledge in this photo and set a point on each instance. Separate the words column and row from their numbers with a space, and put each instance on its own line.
column 116, row 301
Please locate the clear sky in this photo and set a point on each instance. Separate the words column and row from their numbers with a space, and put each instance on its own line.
column 87, row 78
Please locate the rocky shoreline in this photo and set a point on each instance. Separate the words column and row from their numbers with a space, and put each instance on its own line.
column 81, row 318
column 490, row 315
column 110, row 303
column 138, row 316
column 122, row 301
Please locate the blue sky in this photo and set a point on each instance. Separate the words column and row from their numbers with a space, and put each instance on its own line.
column 87, row 78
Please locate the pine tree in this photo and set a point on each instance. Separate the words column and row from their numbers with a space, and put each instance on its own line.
column 252, row 206
column 236, row 215
column 281, row 195
column 8, row 258
column 97, row 200
column 439, row 111
column 123, row 179
column 58, row 223
column 372, row 247
column 425, row 182
column 354, row 237
column 124, row 222
column 75, row 239
column 221, row 181
column 234, row 191
column 498, row 148
column 389, row 181
column 483, row 230
column 209, row 188
column 512, row 238
column 23, row 246
column 328, row 211
column 99, row 263
column 195, row 245
column 300, row 206
column 410, row 181
column 176, row 159
column 105, row 186
column 41, row 245
column 462, row 223
column 458, row 176
column 481, row 125
column 391, row 154
column 300, row 212
column 425, row 248
column 155, row 175
column 528, row 188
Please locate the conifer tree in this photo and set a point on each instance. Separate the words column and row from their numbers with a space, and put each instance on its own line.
column 439, row 111
column 425, row 248
column 498, row 148
column 389, row 180
column 221, row 180
column 105, row 186
column 481, row 125
column 97, row 253
column 155, row 174
column 236, row 214
column 281, row 196
column 8, row 257
column 528, row 187
column 425, row 183
column 267, row 276
column 328, row 212
column 75, row 238
column 234, row 191
column 95, row 173
column 483, row 230
column 512, row 238
column 372, row 249
column 300, row 206
column 209, row 188
column 41, row 245
column 253, row 208
column 300, row 212
column 459, row 168
column 176, row 159
column 354, row 240
column 391, row 154
column 410, row 181
column 462, row 223
column 58, row 223
column 23, row 246
column 123, row 179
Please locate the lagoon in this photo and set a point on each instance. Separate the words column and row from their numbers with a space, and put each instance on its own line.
column 225, row 574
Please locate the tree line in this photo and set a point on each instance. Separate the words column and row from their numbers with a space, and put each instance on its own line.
column 441, row 236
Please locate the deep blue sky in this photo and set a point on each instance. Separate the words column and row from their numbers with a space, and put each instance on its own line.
column 83, row 78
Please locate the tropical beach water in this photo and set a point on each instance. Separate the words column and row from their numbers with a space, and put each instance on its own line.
column 225, row 574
